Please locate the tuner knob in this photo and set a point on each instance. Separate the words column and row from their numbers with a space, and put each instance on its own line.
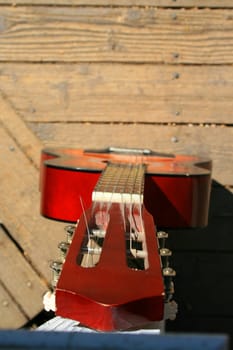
column 64, row 247
column 92, row 251
column 168, row 274
column 162, row 236
column 165, row 253
column 56, row 267
column 69, row 232
column 99, row 233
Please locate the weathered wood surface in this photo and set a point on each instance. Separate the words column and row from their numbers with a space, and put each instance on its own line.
column 12, row 123
column 119, row 93
column 26, row 239
column 20, row 281
column 146, row 73
column 107, row 34
column 127, row 3
column 20, row 195
column 11, row 315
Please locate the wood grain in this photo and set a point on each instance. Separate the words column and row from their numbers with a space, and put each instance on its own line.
column 127, row 3
column 114, row 92
column 140, row 73
column 11, row 315
column 18, row 277
column 109, row 34
column 20, row 208
column 205, row 141
column 17, row 129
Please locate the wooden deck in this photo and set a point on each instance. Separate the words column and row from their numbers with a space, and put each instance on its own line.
column 151, row 74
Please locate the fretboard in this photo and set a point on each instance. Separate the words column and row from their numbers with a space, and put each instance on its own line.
column 120, row 183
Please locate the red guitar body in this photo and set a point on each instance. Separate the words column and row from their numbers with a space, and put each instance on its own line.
column 176, row 189
column 109, row 293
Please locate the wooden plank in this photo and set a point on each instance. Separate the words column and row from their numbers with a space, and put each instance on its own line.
column 11, row 316
column 19, row 198
column 110, row 34
column 177, row 139
column 20, row 278
column 17, row 129
column 116, row 92
column 121, row 341
column 127, row 3
column 24, row 149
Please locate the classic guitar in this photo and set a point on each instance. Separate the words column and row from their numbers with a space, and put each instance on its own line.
column 116, row 273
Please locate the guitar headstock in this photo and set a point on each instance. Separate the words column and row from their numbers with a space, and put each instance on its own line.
column 111, row 278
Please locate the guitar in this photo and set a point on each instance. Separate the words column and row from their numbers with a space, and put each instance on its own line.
column 116, row 273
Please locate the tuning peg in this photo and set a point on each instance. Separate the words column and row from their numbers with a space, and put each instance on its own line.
column 162, row 236
column 69, row 231
column 64, row 247
column 91, row 251
column 168, row 274
column 100, row 233
column 56, row 267
column 165, row 253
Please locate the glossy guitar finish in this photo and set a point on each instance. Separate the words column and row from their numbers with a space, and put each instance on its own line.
column 110, row 295
column 176, row 190
column 112, row 277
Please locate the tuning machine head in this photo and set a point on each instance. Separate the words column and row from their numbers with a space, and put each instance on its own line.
column 64, row 247
column 168, row 275
column 70, row 232
column 168, row 272
column 165, row 254
column 56, row 267
column 162, row 236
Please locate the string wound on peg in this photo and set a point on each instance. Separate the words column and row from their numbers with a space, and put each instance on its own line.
column 162, row 236
column 165, row 254
column 63, row 247
column 56, row 267
column 69, row 232
column 168, row 275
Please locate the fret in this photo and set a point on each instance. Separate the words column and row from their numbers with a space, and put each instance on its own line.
column 120, row 183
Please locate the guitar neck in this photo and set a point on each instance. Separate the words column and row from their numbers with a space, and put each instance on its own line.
column 120, row 183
